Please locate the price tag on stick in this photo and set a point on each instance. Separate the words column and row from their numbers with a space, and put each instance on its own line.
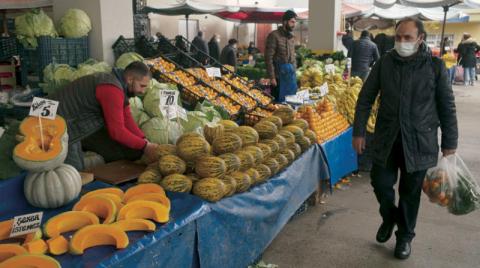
column 25, row 224
column 43, row 108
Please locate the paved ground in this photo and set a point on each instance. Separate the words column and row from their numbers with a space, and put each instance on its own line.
column 341, row 233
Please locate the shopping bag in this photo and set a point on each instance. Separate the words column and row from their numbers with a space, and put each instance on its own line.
column 459, row 74
column 450, row 184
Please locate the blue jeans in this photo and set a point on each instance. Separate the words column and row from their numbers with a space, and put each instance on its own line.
column 451, row 75
column 469, row 75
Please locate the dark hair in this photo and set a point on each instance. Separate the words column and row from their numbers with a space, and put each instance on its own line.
column 137, row 69
column 418, row 24
column 365, row 33
column 200, row 33
column 232, row 41
column 288, row 15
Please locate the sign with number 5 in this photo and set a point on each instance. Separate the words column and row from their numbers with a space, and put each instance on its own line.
column 44, row 108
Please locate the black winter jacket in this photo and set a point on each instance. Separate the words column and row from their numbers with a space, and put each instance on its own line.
column 466, row 53
column 363, row 53
column 214, row 49
column 415, row 99
column 229, row 56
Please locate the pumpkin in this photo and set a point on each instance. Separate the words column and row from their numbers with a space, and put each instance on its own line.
column 301, row 123
column 101, row 206
column 68, row 221
column 6, row 229
column 53, row 188
column 210, row 189
column 254, row 175
column 38, row 246
column 150, row 176
column 289, row 154
column 274, row 146
column 177, row 183
column 248, row 135
column 296, row 131
column 211, row 132
column 31, row 261
column 155, row 197
column 57, row 245
column 286, row 113
column 243, row 181
column 171, row 164
column 192, row 148
column 281, row 141
column 304, row 143
column 232, row 161
column 231, row 185
column 34, row 156
column 228, row 125
column 247, row 160
column 289, row 137
column 135, row 225
column 166, row 149
column 142, row 189
column 143, row 209
column 227, row 143
column 97, row 235
column 266, row 129
column 264, row 172
column 91, row 160
column 273, row 165
column 115, row 199
column 311, row 136
column 211, row 166
column 274, row 119
column 10, row 250
column 296, row 149
column 108, row 190
column 256, row 152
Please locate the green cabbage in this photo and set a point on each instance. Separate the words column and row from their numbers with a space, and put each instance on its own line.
column 195, row 122
column 33, row 24
column 126, row 58
column 139, row 116
column 56, row 76
column 92, row 66
column 75, row 23
column 161, row 131
column 213, row 113
column 151, row 100
column 136, row 102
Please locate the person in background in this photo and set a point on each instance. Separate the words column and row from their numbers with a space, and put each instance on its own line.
column 180, row 58
column 229, row 54
column 98, row 116
column 384, row 43
column 364, row 53
column 280, row 58
column 451, row 63
column 347, row 40
column 214, row 47
column 164, row 45
column 445, row 45
column 200, row 48
column 467, row 50
column 416, row 99
column 252, row 50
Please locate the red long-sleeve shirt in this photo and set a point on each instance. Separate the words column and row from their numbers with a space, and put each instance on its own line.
column 118, row 118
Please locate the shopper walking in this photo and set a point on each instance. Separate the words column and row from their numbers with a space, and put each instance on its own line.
column 364, row 53
column 450, row 62
column 214, row 47
column 229, row 54
column 416, row 99
column 467, row 58
column 280, row 58
column 200, row 48
column 347, row 40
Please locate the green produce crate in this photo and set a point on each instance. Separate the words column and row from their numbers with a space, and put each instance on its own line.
column 8, row 47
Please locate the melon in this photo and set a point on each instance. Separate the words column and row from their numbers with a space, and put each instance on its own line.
column 296, row 131
column 210, row 166
column 247, row 160
column 264, row 172
column 256, row 152
column 210, row 189
column 211, row 132
column 301, row 123
column 274, row 119
column 177, row 183
column 304, row 143
column 286, row 113
column 243, row 181
column 166, row 149
column 266, row 129
column 192, row 148
column 189, row 135
column 150, row 176
column 248, row 135
column 266, row 151
column 193, row 177
column 228, row 124
column 231, row 185
column 171, row 164
column 282, row 142
column 296, row 149
column 227, row 143
column 232, row 161
column 289, row 137
column 274, row 146
column 311, row 136
column 254, row 175
column 282, row 160
column 289, row 154
column 273, row 165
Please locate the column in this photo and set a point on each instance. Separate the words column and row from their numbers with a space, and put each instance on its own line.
column 323, row 25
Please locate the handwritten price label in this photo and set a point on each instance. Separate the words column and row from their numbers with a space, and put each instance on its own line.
column 44, row 108
column 25, row 224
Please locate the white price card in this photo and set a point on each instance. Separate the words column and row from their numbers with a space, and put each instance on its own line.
column 25, row 224
column 182, row 113
column 168, row 103
column 303, row 95
column 3, row 97
column 214, row 72
column 324, row 89
column 330, row 68
column 44, row 108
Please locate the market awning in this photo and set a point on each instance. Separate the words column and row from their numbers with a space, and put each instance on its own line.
column 397, row 11
column 350, row 10
column 260, row 14
column 184, row 7
column 415, row 3
column 21, row 4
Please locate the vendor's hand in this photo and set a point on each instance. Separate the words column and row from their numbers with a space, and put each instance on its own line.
column 150, row 152
column 447, row 152
column 273, row 82
column 358, row 144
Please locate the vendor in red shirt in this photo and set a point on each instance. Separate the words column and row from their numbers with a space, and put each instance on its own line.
column 98, row 115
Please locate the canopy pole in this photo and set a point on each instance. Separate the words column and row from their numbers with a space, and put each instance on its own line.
column 442, row 41
column 186, row 21
column 255, row 35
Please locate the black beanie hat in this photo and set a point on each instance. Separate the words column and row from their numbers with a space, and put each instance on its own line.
column 288, row 15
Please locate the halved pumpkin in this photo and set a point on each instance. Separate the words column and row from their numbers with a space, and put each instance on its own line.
column 57, row 245
column 155, row 197
column 142, row 209
column 143, row 189
column 97, row 235
column 135, row 225
column 31, row 261
column 101, row 206
column 6, row 228
column 10, row 250
column 68, row 221
column 36, row 247
column 115, row 198
column 109, row 190
column 33, row 155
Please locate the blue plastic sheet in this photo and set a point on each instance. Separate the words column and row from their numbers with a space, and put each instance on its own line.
column 340, row 156
column 171, row 245
column 239, row 228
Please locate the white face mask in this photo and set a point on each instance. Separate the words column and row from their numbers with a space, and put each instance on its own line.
column 406, row 49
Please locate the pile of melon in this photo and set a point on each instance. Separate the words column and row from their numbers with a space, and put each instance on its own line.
column 228, row 158
column 100, row 217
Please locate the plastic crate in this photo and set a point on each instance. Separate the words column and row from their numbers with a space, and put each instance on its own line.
column 123, row 45
column 8, row 47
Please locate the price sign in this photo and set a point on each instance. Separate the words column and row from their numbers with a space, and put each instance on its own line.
column 214, row 72
column 330, row 68
column 324, row 89
column 44, row 108
column 25, row 224
column 3, row 97
column 303, row 95
column 168, row 103
column 182, row 113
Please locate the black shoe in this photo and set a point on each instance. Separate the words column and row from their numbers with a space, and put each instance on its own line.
column 385, row 232
column 402, row 250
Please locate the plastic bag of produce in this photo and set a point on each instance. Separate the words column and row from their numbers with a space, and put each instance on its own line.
column 450, row 184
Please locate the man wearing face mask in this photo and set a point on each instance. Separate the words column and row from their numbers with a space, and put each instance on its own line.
column 280, row 58
column 229, row 54
column 97, row 112
column 415, row 100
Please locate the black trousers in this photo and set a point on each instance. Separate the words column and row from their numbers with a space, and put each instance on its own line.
column 410, row 190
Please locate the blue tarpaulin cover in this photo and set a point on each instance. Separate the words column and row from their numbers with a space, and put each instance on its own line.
column 239, row 228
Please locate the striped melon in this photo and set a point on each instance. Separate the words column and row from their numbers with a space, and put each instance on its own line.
column 289, row 154
column 272, row 164
column 247, row 160
column 210, row 189
column 274, row 119
column 254, row 175
column 266, row 151
column 232, row 161
column 150, row 176
column 231, row 185
column 266, row 129
column 248, row 135
column 282, row 161
column 211, row 132
column 228, row 125
column 301, row 123
column 286, row 113
column 177, row 183
column 192, row 148
column 193, row 177
column 189, row 135
column 264, row 172
column 166, row 149
column 243, row 181
column 227, row 143
column 282, row 142
column 296, row 131
column 296, row 149
column 304, row 143
column 289, row 137
column 274, row 147
column 311, row 136
column 256, row 152
column 210, row 166
column 171, row 164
